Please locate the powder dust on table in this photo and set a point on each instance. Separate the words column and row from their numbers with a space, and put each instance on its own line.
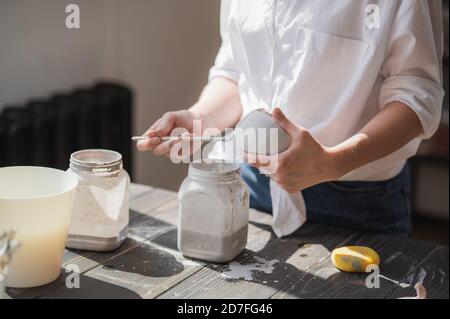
column 239, row 271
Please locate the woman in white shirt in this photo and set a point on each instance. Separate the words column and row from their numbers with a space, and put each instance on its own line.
column 359, row 86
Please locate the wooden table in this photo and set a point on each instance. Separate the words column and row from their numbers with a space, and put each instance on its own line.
column 148, row 264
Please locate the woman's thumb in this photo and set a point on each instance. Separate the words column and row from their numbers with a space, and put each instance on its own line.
column 283, row 121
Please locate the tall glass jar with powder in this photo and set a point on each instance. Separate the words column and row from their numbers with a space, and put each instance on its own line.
column 213, row 212
column 100, row 214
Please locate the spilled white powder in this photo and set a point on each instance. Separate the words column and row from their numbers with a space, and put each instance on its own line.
column 246, row 272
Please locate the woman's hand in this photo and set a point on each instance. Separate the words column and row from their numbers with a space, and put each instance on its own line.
column 305, row 163
column 163, row 127
column 218, row 107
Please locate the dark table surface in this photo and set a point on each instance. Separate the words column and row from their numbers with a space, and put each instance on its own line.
column 148, row 264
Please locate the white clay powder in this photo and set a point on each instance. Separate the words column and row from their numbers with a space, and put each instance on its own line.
column 214, row 209
column 247, row 272
column 100, row 212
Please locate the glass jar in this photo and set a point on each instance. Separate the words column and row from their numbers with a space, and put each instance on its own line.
column 213, row 212
column 100, row 214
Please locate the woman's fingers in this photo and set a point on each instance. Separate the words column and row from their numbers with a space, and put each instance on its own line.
column 257, row 160
column 154, row 126
column 163, row 148
column 163, row 126
column 179, row 150
column 148, row 144
column 283, row 121
column 150, row 131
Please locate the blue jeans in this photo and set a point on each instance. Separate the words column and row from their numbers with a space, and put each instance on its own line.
column 368, row 206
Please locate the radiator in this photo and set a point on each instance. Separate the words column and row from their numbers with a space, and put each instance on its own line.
column 45, row 132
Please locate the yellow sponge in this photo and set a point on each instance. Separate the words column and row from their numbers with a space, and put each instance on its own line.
column 354, row 258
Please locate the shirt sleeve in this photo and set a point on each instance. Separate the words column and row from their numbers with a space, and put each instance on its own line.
column 412, row 69
column 224, row 65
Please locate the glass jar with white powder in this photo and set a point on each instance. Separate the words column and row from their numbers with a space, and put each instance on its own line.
column 213, row 212
column 100, row 214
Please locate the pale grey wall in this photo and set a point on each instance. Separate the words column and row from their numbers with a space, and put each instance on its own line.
column 38, row 55
column 162, row 48
column 167, row 63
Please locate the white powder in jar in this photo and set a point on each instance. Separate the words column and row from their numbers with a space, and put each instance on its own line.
column 101, row 205
column 214, row 209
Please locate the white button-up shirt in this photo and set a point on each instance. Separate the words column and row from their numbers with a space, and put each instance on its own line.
column 332, row 66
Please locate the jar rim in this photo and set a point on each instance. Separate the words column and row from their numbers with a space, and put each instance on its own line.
column 96, row 160
column 214, row 170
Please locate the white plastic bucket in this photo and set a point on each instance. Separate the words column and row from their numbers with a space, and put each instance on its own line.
column 37, row 203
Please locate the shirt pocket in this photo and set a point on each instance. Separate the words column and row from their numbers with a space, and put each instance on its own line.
column 324, row 67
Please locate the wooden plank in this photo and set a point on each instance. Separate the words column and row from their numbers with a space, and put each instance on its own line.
column 153, row 202
column 134, row 241
column 154, row 266
column 91, row 288
column 138, row 190
column 71, row 255
column 142, row 226
column 433, row 272
column 82, row 260
column 288, row 257
column 36, row 292
column 88, row 287
column 147, row 199
column 149, row 265
column 323, row 280
column 147, row 269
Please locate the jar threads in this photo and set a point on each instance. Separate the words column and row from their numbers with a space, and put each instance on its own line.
column 96, row 161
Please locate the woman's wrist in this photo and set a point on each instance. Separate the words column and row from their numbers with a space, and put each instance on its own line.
column 334, row 164
column 194, row 114
column 197, row 114
column 347, row 156
column 396, row 125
